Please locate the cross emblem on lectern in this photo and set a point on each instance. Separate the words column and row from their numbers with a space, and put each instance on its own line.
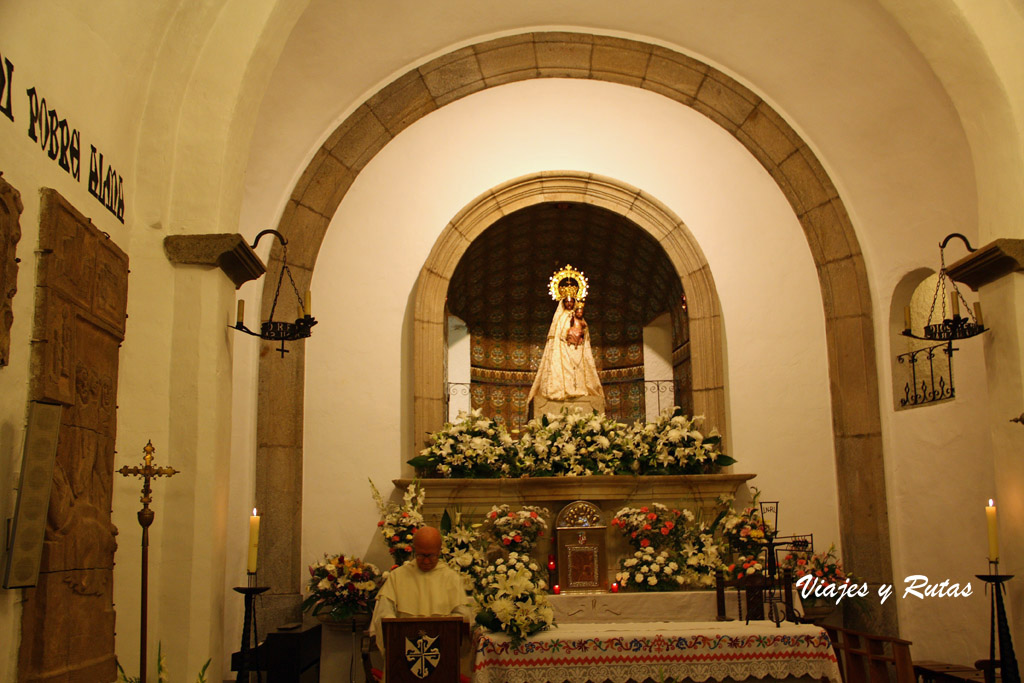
column 422, row 655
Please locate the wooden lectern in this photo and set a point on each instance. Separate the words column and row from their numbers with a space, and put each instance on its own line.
column 422, row 649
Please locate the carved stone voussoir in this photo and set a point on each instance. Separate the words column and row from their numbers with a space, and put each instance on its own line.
column 229, row 252
column 10, row 233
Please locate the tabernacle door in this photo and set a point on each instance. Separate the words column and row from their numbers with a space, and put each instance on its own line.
column 582, row 561
column 422, row 649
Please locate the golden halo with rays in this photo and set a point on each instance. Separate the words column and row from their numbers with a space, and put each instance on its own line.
column 568, row 273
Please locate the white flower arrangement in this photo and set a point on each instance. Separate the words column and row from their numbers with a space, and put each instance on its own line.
column 473, row 446
column 649, row 569
column 511, row 598
column 463, row 551
column 400, row 522
column 571, row 444
column 672, row 445
column 703, row 555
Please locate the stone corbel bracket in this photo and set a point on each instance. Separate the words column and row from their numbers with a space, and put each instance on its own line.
column 229, row 252
column 989, row 263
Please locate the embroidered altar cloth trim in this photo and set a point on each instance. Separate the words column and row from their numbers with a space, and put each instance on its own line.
column 696, row 650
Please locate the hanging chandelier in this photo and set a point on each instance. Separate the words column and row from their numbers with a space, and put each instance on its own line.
column 938, row 327
column 280, row 330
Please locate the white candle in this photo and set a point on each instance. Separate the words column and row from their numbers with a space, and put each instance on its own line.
column 307, row 303
column 954, row 303
column 993, row 533
column 906, row 317
column 254, row 541
column 240, row 317
column 977, row 314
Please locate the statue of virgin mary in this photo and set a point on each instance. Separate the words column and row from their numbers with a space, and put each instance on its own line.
column 567, row 374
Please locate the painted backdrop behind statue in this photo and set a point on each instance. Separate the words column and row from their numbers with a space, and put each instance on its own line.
column 500, row 289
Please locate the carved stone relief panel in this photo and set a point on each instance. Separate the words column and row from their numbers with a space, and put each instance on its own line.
column 81, row 296
column 10, row 233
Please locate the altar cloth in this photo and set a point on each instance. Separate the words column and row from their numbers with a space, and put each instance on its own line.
column 699, row 651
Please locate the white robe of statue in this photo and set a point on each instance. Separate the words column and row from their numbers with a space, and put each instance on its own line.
column 567, row 373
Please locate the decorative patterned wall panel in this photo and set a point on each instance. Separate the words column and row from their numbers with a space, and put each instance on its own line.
column 81, row 293
column 500, row 290
column 10, row 233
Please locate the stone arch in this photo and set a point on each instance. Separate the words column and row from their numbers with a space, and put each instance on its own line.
column 774, row 143
column 646, row 212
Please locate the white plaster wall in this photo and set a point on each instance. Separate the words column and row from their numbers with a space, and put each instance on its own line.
column 62, row 65
column 658, row 362
column 412, row 189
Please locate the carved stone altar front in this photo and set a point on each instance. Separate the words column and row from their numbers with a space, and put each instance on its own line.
column 696, row 491
column 605, row 493
column 81, row 297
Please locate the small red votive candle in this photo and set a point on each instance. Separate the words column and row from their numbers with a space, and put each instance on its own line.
column 556, row 589
column 551, row 565
column 615, row 587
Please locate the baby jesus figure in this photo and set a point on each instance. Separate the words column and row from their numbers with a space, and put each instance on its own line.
column 578, row 329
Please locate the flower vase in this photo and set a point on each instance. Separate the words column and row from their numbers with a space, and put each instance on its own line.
column 356, row 622
column 817, row 611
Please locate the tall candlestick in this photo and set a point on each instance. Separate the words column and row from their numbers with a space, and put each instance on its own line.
column 954, row 304
column 240, row 317
column 254, row 541
column 993, row 533
column 906, row 317
column 307, row 303
column 977, row 314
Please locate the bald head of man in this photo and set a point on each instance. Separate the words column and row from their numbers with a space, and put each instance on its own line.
column 426, row 543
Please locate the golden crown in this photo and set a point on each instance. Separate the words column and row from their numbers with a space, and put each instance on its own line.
column 568, row 282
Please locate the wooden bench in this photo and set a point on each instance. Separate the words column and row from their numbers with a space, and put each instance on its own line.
column 866, row 658
column 941, row 672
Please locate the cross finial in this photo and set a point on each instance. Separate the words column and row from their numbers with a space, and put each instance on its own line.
column 147, row 472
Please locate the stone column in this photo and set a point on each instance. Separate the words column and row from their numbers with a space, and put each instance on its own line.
column 996, row 272
column 189, row 556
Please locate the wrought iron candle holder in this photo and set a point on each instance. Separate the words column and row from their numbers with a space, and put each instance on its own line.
column 247, row 661
column 999, row 638
column 954, row 327
column 281, row 330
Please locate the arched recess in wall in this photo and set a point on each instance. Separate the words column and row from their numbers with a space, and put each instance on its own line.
column 429, row 347
column 850, row 340
column 922, row 372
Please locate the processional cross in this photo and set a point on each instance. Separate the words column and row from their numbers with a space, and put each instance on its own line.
column 147, row 471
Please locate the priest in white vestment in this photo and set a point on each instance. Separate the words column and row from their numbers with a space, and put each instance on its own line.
column 422, row 587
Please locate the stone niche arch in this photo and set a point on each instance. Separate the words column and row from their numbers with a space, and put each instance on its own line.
column 856, row 420
column 647, row 213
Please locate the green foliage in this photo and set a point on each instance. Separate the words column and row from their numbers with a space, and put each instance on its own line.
column 161, row 670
